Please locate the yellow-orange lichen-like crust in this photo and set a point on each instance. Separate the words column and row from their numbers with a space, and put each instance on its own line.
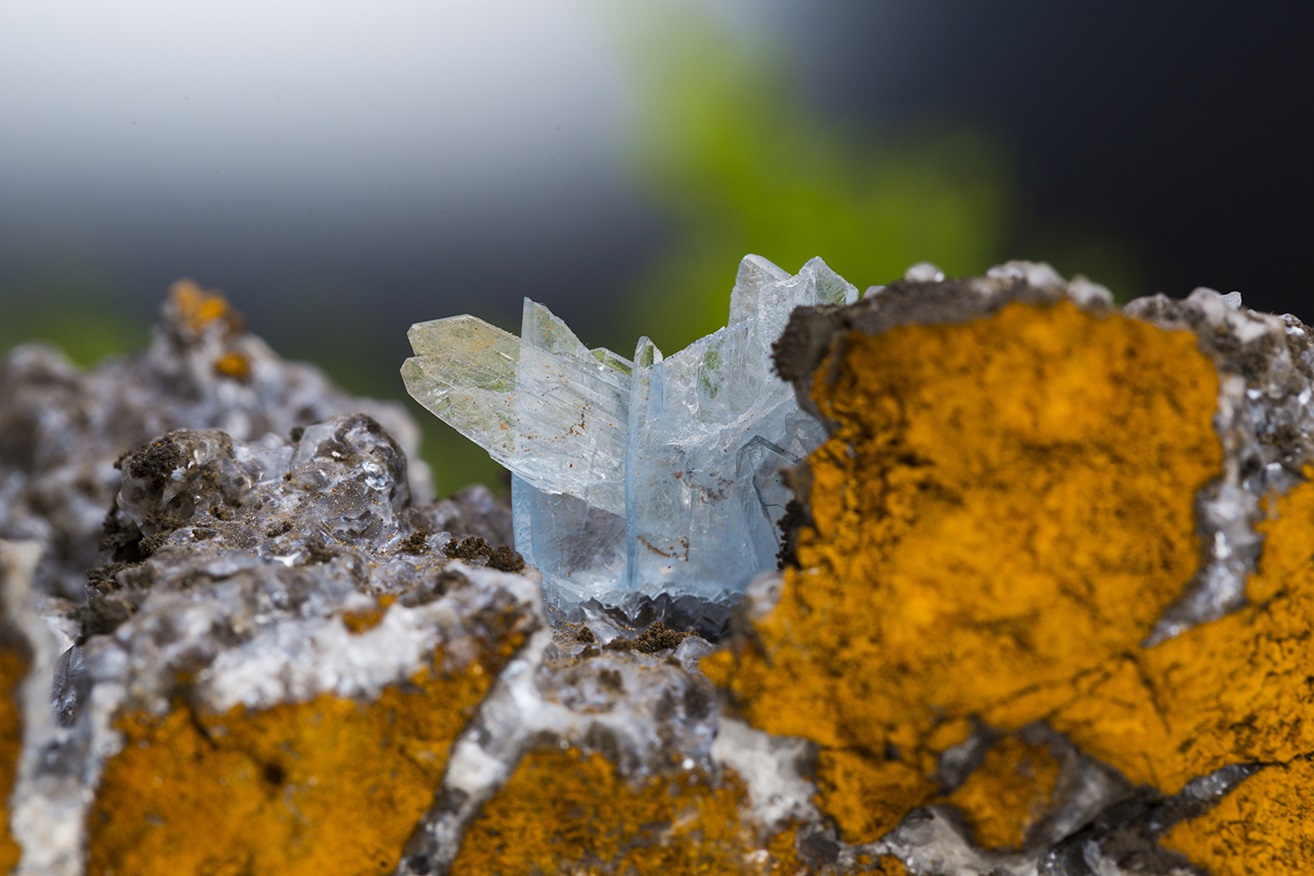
column 1238, row 690
column 1263, row 828
column 363, row 620
column 568, row 812
column 886, row 865
column 200, row 309
column 1009, row 793
column 13, row 669
column 329, row 786
column 1005, row 508
column 236, row 366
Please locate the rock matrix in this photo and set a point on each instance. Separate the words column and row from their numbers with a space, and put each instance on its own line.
column 1043, row 608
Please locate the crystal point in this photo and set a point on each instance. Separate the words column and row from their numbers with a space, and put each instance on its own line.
column 635, row 481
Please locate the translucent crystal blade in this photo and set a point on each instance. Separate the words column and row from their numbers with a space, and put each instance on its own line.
column 464, row 372
column 540, row 327
column 557, row 421
column 755, row 281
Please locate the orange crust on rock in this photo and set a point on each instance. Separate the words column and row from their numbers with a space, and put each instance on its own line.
column 1005, row 508
column 329, row 786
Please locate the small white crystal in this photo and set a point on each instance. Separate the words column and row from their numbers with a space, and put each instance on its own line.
column 924, row 272
column 1038, row 274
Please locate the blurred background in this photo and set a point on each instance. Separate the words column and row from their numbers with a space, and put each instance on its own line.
column 342, row 170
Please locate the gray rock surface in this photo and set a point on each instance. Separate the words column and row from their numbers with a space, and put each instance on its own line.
column 205, row 508
column 61, row 429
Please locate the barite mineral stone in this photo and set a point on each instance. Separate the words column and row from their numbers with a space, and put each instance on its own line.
column 636, row 481
column 1045, row 612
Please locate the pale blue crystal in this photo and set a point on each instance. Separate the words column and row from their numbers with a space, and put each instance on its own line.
column 635, row 479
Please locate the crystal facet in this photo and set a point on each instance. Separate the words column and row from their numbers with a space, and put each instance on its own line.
column 635, row 480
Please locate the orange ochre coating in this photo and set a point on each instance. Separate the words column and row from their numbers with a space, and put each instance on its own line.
column 361, row 621
column 1241, row 690
column 13, row 668
column 1263, row 828
column 1003, row 512
column 568, row 812
column 200, row 308
column 886, row 865
column 236, row 366
column 1009, row 793
column 329, row 786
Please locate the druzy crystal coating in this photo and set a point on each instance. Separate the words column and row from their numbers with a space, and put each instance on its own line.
column 638, row 478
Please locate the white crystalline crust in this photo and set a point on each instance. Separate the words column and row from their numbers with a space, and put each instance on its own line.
column 635, row 478
column 310, row 526
column 651, row 709
column 771, row 766
column 47, row 806
column 296, row 662
column 1266, row 423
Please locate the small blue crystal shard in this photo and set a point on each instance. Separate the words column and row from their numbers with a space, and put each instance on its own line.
column 635, row 481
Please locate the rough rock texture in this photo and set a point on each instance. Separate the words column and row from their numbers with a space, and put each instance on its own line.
column 268, row 626
column 16, row 652
column 289, row 628
column 1029, row 517
column 280, row 661
column 61, row 429
column 1046, row 612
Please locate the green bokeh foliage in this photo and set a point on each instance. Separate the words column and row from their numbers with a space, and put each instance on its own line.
column 741, row 163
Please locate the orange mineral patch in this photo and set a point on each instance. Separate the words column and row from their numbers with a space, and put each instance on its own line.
column 236, row 366
column 1265, row 827
column 1241, row 689
column 568, row 812
column 199, row 309
column 13, row 668
column 329, row 786
column 1238, row 690
column 1009, row 793
column 866, row 795
column 364, row 620
column 886, row 865
column 1005, row 508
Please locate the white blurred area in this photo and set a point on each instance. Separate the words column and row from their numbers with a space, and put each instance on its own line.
column 317, row 99
column 399, row 159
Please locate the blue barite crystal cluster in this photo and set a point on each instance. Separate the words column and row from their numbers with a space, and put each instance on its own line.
column 635, row 480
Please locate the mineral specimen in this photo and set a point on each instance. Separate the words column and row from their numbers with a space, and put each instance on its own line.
column 635, row 481
column 1045, row 612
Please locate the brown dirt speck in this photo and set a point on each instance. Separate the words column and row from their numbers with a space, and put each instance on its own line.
column 656, row 638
